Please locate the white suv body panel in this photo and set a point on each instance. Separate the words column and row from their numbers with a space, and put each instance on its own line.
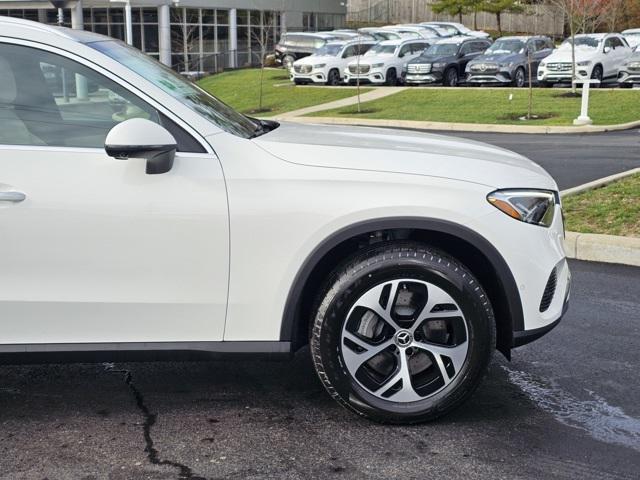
column 101, row 252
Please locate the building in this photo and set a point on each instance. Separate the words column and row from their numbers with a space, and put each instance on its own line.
column 191, row 35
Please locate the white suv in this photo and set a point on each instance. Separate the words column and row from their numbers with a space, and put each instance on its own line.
column 327, row 64
column 597, row 56
column 142, row 217
column 383, row 63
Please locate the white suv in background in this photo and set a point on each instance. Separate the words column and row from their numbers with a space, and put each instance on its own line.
column 598, row 56
column 383, row 63
column 142, row 217
column 327, row 64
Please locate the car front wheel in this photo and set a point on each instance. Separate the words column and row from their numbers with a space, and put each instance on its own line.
column 402, row 334
column 519, row 79
column 451, row 78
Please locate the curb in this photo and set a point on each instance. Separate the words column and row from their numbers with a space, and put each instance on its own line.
column 458, row 127
column 601, row 182
column 595, row 247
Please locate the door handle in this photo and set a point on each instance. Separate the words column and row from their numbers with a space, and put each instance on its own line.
column 12, row 196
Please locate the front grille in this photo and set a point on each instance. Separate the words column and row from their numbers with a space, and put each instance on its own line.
column 484, row 68
column 419, row 68
column 302, row 68
column 362, row 69
column 549, row 291
column 559, row 67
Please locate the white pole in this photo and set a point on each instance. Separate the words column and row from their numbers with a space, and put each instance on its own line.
column 584, row 119
column 77, row 23
column 128, row 36
column 164, row 34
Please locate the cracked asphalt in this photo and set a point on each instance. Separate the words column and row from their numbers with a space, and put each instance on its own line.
column 566, row 407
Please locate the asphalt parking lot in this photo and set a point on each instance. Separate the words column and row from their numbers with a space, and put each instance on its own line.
column 566, row 407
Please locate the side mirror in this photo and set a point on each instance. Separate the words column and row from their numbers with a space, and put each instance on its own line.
column 607, row 49
column 140, row 138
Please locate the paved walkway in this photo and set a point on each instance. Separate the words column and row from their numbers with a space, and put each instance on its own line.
column 375, row 94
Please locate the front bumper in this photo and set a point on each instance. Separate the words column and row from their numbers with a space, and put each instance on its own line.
column 563, row 76
column 313, row 77
column 488, row 78
column 629, row 78
column 374, row 76
column 523, row 337
column 422, row 78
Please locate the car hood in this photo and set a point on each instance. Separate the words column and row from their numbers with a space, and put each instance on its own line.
column 564, row 55
column 315, row 60
column 500, row 58
column 433, row 58
column 405, row 152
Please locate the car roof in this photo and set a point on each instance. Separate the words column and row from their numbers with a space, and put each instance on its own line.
column 631, row 30
column 594, row 35
column 27, row 26
column 460, row 40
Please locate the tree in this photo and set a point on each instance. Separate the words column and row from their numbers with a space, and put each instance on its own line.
column 263, row 38
column 452, row 7
column 498, row 7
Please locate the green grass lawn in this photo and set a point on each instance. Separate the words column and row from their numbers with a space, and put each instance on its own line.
column 614, row 209
column 493, row 106
column 241, row 89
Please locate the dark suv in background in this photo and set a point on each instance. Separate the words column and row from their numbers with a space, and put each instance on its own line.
column 294, row 46
column 444, row 62
column 506, row 61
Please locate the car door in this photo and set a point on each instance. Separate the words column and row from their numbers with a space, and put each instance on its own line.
column 621, row 53
column 609, row 60
column 94, row 250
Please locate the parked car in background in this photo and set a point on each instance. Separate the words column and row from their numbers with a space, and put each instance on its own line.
column 382, row 64
column 458, row 29
column 444, row 62
column 415, row 32
column 632, row 36
column 629, row 72
column 348, row 35
column 293, row 46
column 381, row 34
column 432, row 30
column 326, row 65
column 598, row 56
column 506, row 61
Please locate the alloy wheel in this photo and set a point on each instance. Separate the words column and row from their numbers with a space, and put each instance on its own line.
column 404, row 340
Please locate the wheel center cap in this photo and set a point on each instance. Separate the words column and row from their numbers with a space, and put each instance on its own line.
column 403, row 338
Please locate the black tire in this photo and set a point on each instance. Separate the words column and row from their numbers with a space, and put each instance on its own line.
column 375, row 267
column 519, row 78
column 450, row 77
column 391, row 78
column 596, row 74
column 544, row 84
column 299, row 82
column 333, row 78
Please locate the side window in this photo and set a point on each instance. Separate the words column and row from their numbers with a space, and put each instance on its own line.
column 418, row 47
column 480, row 46
column 608, row 43
column 405, row 50
column 49, row 100
column 617, row 42
column 350, row 51
column 363, row 48
column 465, row 49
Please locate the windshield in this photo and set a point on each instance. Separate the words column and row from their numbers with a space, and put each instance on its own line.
column 442, row 49
column 179, row 88
column 329, row 50
column 380, row 49
column 588, row 42
column 501, row 47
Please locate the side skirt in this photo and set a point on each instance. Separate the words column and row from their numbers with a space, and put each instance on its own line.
column 17, row 354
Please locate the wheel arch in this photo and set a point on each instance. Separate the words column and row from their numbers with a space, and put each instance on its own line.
column 471, row 248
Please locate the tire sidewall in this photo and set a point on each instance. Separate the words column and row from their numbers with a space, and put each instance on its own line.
column 434, row 269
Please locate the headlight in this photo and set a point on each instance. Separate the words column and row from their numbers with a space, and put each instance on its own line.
column 543, row 64
column 530, row 206
column 320, row 65
column 506, row 65
column 439, row 65
column 377, row 65
column 586, row 63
